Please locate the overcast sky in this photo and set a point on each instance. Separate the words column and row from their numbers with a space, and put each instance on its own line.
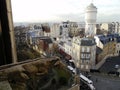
column 62, row 10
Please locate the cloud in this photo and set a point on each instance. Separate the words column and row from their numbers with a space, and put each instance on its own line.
column 53, row 10
column 108, row 18
column 72, row 17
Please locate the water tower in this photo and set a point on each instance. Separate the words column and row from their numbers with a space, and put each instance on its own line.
column 90, row 20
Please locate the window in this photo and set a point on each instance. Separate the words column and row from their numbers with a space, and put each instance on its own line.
column 117, row 51
column 83, row 49
column 117, row 45
column 87, row 62
column 82, row 66
column 88, row 49
column 86, row 66
column 81, row 61
column 87, row 55
column 82, row 55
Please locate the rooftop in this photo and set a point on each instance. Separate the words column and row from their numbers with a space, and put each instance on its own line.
column 91, row 6
column 87, row 41
column 46, row 39
column 108, row 38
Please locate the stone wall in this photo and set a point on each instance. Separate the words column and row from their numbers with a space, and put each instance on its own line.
column 43, row 73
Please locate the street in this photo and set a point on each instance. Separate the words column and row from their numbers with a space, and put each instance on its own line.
column 105, row 83
column 110, row 63
column 101, row 81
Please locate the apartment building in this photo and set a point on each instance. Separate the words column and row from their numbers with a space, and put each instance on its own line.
column 109, row 44
column 82, row 51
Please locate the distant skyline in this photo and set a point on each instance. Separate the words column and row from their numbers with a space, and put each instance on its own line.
column 62, row 10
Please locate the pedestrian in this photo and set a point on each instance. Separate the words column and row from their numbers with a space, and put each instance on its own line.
column 96, row 80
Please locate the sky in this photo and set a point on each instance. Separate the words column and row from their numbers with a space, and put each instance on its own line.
column 63, row 10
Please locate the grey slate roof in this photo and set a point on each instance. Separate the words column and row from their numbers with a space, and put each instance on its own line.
column 87, row 41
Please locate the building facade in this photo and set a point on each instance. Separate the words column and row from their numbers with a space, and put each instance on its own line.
column 115, row 27
column 64, row 29
column 107, row 27
column 109, row 44
column 55, row 30
column 84, row 52
column 43, row 45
